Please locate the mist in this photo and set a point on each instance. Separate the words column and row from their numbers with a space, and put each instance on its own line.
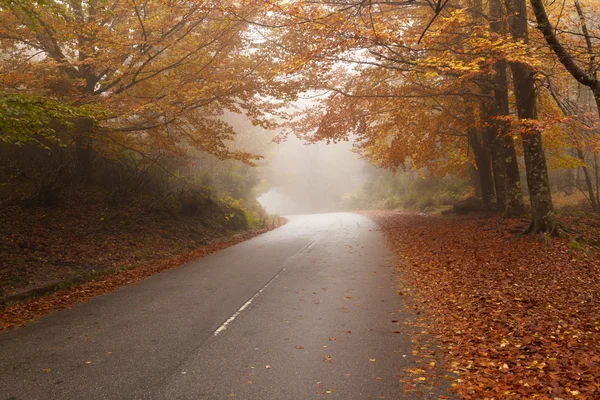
column 302, row 178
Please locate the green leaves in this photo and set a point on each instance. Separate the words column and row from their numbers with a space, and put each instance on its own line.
column 35, row 119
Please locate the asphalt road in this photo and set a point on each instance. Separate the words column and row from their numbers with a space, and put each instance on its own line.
column 302, row 312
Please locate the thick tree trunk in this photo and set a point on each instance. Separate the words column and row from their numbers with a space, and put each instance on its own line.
column 535, row 159
column 513, row 205
column 510, row 196
column 514, row 195
column 475, row 180
column 538, row 184
column 483, row 160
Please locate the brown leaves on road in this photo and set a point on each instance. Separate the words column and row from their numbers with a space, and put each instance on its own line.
column 19, row 314
column 516, row 318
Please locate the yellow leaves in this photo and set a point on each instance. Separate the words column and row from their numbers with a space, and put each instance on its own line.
column 451, row 65
column 158, row 74
column 413, row 371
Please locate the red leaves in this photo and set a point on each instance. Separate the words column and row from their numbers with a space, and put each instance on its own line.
column 516, row 318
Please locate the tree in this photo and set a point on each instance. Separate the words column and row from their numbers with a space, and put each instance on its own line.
column 506, row 169
column 568, row 59
column 402, row 86
column 163, row 72
column 540, row 196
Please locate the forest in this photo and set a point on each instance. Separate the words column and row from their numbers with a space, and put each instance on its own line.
column 137, row 135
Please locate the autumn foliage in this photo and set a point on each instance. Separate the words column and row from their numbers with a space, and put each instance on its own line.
column 136, row 97
column 162, row 73
column 515, row 318
column 444, row 86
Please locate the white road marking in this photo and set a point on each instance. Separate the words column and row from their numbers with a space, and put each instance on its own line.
column 242, row 308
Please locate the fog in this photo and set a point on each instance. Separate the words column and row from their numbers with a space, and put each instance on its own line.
column 304, row 178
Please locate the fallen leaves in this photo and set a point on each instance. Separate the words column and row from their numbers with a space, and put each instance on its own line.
column 19, row 314
column 515, row 318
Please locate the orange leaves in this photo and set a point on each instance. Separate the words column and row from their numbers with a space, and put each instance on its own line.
column 516, row 319
column 163, row 72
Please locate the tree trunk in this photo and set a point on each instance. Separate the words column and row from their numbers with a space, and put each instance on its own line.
column 499, row 168
column 535, row 160
column 588, row 180
column 488, row 145
column 513, row 206
column 510, row 196
column 483, row 160
column 538, row 184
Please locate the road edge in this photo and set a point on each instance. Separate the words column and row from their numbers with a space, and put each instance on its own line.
column 29, row 308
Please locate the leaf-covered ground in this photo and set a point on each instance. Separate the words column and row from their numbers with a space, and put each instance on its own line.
column 87, row 240
column 21, row 313
column 516, row 318
column 44, row 245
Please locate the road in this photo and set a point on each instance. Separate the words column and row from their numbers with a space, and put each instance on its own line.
column 302, row 312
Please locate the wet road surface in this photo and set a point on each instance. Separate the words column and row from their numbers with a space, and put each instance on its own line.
column 302, row 312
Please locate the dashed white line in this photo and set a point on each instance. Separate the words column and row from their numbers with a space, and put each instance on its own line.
column 242, row 308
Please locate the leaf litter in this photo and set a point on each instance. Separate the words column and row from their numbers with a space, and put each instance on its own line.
column 515, row 318
column 21, row 313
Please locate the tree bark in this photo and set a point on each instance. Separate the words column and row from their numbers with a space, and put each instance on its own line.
column 475, row 180
column 510, row 195
column 588, row 180
column 535, row 160
column 483, row 160
column 499, row 169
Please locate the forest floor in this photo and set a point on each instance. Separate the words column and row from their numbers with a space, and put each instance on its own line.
column 515, row 317
column 88, row 248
